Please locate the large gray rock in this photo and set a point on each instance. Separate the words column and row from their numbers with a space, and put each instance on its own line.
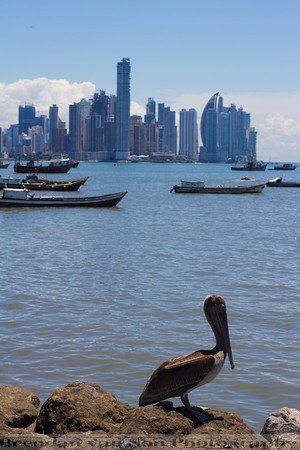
column 282, row 428
column 18, row 407
column 81, row 406
column 284, row 420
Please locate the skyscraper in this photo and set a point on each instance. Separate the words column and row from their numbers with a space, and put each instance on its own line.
column 97, row 120
column 225, row 132
column 211, row 104
column 252, row 143
column 123, row 110
column 78, row 113
column 168, row 130
column 26, row 118
column 53, row 126
column 188, row 133
column 150, row 110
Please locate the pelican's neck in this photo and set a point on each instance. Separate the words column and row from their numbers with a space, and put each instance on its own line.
column 220, row 343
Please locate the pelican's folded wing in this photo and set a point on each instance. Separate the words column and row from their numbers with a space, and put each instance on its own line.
column 176, row 376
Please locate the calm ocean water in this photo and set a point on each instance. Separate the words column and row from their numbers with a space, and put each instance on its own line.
column 107, row 295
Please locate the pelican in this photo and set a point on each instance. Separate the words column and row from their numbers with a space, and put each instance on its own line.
column 178, row 376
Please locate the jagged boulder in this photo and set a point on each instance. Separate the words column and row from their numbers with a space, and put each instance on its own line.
column 81, row 406
column 155, row 420
column 227, row 430
column 18, row 407
column 282, row 428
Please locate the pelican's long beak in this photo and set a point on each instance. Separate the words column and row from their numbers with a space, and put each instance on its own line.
column 222, row 319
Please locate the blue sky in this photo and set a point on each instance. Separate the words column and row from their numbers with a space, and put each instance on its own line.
column 181, row 53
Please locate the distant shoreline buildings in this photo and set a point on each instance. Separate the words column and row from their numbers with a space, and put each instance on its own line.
column 102, row 129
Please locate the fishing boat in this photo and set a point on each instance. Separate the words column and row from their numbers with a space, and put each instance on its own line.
column 198, row 187
column 251, row 164
column 284, row 166
column 15, row 198
column 61, row 160
column 50, row 167
column 277, row 182
column 34, row 183
column 3, row 165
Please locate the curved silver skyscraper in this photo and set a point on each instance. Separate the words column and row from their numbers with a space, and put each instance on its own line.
column 211, row 104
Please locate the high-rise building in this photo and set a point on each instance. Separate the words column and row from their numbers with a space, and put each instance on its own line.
column 243, row 128
column 152, row 138
column 211, row 104
column 37, row 139
column 97, row 120
column 99, row 106
column 188, row 133
column 78, row 130
column 13, row 139
column 112, row 106
column 1, row 141
column 27, row 118
column 123, row 110
column 53, row 126
column 224, row 135
column 233, row 150
column 137, row 135
column 150, row 111
column 252, row 143
column 168, row 130
column 225, row 132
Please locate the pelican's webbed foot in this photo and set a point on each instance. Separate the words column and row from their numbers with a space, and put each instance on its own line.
column 199, row 414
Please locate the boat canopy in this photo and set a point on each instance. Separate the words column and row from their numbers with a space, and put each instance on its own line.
column 19, row 194
column 190, row 183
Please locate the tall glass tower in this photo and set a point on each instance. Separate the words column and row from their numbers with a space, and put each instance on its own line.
column 53, row 126
column 188, row 133
column 123, row 110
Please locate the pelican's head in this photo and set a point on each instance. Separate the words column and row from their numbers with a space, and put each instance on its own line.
column 215, row 312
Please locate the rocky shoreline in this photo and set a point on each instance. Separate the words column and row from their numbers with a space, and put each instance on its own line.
column 84, row 416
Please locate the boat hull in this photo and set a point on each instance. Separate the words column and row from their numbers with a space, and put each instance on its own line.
column 55, row 168
column 46, row 185
column 283, row 168
column 255, row 189
column 4, row 166
column 102, row 201
column 283, row 184
column 250, row 169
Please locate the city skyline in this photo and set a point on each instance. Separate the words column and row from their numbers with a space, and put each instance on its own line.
column 175, row 57
column 96, row 133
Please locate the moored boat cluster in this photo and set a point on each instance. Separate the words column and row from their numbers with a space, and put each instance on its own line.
column 17, row 191
column 12, row 186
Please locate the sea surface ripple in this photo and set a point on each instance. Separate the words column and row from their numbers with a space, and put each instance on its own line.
column 106, row 295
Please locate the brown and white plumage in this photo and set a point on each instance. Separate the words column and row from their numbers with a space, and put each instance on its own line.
column 178, row 376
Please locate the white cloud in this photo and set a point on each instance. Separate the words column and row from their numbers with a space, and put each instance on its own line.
column 136, row 109
column 42, row 93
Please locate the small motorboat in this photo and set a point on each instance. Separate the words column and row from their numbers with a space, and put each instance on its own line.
column 24, row 198
column 3, row 165
column 284, row 166
column 198, row 187
column 34, row 183
column 49, row 167
column 246, row 178
column 251, row 164
column 277, row 182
